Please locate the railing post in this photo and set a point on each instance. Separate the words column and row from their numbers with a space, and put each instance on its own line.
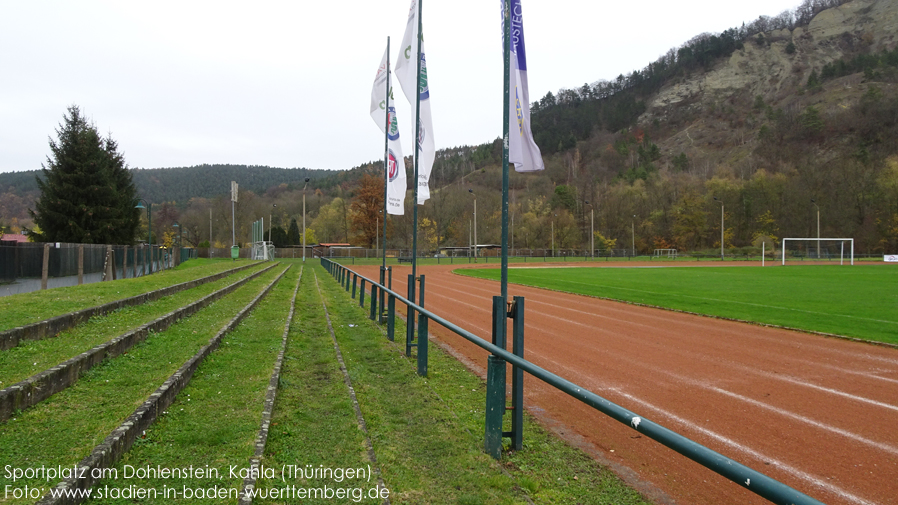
column 362, row 294
column 391, row 317
column 422, row 333
column 410, row 317
column 517, row 375
column 495, row 406
column 380, row 313
column 355, row 280
column 495, row 383
column 373, row 304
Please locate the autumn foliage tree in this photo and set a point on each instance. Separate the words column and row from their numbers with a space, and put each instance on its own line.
column 366, row 207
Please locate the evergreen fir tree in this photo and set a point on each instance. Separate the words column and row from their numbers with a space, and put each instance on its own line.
column 293, row 236
column 87, row 195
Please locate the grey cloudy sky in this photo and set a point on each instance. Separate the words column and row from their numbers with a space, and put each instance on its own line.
column 288, row 83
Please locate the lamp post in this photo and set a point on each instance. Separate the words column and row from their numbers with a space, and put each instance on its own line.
column 553, row 234
column 176, row 225
column 818, row 227
column 149, row 207
column 377, row 233
column 592, row 233
column 475, row 222
column 304, row 220
column 721, row 226
column 273, row 206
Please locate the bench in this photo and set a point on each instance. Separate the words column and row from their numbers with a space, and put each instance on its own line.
column 405, row 259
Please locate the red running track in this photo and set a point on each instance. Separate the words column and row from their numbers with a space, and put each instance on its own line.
column 818, row 414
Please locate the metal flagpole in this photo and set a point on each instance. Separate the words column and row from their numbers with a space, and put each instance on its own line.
column 505, row 114
column 386, row 164
column 417, row 155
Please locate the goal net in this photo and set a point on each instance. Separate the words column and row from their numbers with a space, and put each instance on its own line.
column 818, row 249
column 665, row 253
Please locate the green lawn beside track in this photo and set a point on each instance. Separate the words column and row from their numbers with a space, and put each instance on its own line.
column 66, row 427
column 33, row 356
column 214, row 421
column 858, row 301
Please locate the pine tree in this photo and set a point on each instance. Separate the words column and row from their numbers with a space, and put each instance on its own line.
column 87, row 195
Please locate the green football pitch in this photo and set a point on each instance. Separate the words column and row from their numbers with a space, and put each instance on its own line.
column 856, row 301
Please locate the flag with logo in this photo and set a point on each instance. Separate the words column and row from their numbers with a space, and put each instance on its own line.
column 522, row 149
column 406, row 73
column 381, row 109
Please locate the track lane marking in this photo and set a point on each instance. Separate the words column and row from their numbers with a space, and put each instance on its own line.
column 802, row 475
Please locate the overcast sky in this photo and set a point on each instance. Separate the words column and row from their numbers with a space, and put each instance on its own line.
column 288, row 83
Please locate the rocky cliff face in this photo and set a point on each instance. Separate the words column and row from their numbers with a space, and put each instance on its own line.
column 764, row 68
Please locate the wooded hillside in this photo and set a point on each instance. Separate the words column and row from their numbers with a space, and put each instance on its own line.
column 765, row 118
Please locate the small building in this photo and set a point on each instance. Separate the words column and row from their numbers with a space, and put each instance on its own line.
column 13, row 237
column 325, row 250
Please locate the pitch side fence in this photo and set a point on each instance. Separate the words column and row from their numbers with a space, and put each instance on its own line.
column 380, row 293
column 48, row 265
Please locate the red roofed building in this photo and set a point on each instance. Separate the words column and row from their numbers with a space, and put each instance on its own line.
column 13, row 237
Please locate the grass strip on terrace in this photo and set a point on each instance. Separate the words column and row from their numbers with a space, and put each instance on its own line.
column 34, row 356
column 427, row 432
column 213, row 422
column 66, row 427
column 27, row 308
column 855, row 301
column 313, row 425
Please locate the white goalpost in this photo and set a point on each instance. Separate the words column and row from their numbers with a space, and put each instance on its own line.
column 830, row 247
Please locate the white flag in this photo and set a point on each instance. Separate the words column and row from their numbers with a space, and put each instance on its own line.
column 380, row 107
column 522, row 149
column 406, row 69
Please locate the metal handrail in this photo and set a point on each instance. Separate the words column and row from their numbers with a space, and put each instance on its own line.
column 752, row 480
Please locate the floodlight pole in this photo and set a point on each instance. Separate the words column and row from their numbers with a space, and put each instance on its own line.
column 149, row 207
column 592, row 232
column 818, row 228
column 304, row 220
column 471, row 191
column 721, row 227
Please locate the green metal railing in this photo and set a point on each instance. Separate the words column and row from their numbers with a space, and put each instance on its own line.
column 752, row 480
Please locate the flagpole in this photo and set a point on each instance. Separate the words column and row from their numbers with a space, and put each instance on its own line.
column 505, row 117
column 417, row 154
column 386, row 162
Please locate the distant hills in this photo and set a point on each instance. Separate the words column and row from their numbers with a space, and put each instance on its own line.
column 183, row 183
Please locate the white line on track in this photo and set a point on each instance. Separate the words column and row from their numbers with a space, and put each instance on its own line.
column 803, row 419
column 751, row 452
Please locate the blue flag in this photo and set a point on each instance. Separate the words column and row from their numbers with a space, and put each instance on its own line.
column 522, row 149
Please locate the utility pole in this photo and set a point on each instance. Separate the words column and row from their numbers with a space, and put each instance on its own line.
column 304, row 220
column 721, row 227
